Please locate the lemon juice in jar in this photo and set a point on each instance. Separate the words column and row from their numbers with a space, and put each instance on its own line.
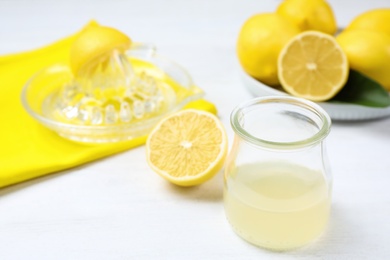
column 277, row 205
column 277, row 190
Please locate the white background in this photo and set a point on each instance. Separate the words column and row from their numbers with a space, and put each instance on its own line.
column 117, row 208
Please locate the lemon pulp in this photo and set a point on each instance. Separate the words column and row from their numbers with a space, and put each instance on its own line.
column 313, row 66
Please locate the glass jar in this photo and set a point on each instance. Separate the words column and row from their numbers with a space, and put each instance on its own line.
column 277, row 186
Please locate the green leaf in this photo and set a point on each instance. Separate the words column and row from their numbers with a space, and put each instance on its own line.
column 362, row 90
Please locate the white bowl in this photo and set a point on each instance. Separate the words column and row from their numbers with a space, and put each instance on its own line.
column 348, row 112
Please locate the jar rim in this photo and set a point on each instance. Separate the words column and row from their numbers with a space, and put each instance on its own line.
column 323, row 131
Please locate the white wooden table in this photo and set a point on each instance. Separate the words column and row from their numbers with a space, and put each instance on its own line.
column 117, row 208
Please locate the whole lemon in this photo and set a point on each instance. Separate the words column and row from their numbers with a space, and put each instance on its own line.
column 374, row 20
column 259, row 42
column 369, row 53
column 309, row 15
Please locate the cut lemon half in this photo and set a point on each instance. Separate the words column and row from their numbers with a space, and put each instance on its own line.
column 95, row 41
column 313, row 66
column 187, row 148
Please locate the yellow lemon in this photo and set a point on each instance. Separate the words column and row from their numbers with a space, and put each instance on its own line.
column 313, row 66
column 95, row 41
column 259, row 42
column 202, row 104
column 369, row 53
column 374, row 20
column 188, row 147
column 309, row 15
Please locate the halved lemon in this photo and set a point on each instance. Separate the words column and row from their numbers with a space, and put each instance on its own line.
column 188, row 147
column 94, row 41
column 312, row 65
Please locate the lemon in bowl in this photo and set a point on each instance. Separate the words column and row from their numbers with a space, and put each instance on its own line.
column 369, row 53
column 309, row 15
column 259, row 42
column 377, row 20
column 313, row 66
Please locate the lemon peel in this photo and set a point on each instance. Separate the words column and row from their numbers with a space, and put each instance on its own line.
column 95, row 41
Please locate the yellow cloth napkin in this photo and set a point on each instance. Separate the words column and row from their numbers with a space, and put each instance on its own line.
column 28, row 149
